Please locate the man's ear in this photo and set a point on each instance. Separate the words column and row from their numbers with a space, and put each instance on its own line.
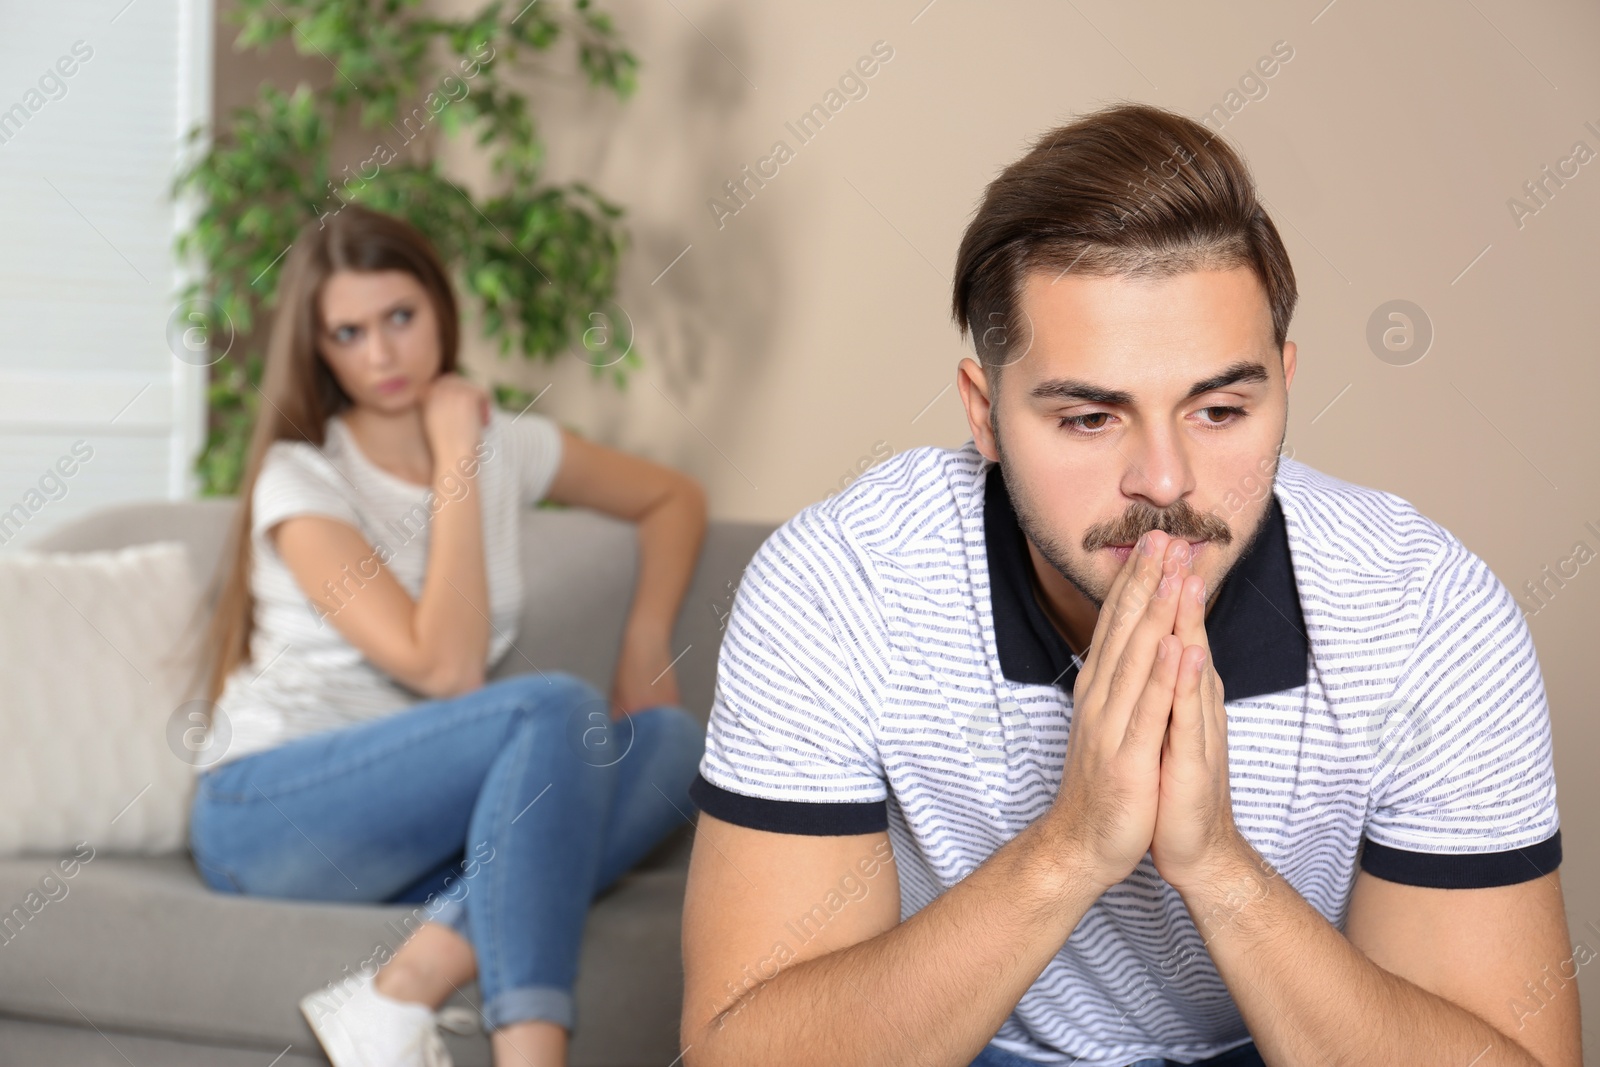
column 973, row 385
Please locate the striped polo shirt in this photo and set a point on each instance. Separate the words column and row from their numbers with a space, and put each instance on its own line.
column 886, row 666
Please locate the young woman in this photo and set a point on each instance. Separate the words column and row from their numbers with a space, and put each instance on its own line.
column 356, row 753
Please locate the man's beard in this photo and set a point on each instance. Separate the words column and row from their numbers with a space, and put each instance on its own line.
column 1180, row 520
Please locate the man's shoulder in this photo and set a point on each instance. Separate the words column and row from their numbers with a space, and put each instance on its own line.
column 913, row 494
column 929, row 482
column 1361, row 545
column 895, row 508
column 1386, row 528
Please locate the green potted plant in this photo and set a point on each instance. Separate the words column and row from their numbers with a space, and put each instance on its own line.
column 537, row 261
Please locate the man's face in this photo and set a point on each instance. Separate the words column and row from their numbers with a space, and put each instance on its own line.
column 1116, row 417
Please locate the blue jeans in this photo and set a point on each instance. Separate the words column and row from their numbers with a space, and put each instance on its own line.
column 506, row 810
column 1244, row 1055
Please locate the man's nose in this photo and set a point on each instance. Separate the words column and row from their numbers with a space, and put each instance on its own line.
column 1160, row 469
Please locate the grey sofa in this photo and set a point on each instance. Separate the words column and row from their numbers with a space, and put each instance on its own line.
column 143, row 964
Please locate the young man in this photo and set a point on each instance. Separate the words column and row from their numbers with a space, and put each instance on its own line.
column 984, row 785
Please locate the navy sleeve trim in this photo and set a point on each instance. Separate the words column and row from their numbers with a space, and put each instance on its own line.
column 817, row 818
column 1462, row 871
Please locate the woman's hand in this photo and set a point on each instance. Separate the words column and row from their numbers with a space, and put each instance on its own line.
column 454, row 413
column 644, row 676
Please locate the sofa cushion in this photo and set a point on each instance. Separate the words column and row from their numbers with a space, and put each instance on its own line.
column 140, row 944
column 98, row 665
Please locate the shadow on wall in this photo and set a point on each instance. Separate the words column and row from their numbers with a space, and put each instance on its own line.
column 699, row 298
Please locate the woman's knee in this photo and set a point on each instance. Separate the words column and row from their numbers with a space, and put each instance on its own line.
column 558, row 709
column 679, row 739
column 551, row 696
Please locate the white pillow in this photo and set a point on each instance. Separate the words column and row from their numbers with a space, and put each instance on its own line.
column 95, row 661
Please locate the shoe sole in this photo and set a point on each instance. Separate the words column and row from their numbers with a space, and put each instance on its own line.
column 334, row 1039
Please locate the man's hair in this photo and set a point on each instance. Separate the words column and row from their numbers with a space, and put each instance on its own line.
column 1132, row 190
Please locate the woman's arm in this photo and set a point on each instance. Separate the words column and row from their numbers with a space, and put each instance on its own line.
column 669, row 508
column 437, row 644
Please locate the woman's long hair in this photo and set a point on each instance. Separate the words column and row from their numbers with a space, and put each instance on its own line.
column 299, row 391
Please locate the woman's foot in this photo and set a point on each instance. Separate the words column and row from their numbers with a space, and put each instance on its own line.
column 358, row 1026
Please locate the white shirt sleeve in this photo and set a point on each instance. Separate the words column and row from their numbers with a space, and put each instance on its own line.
column 533, row 445
column 1466, row 756
column 295, row 480
column 789, row 720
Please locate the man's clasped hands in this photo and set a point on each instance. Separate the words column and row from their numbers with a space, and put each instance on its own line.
column 1147, row 755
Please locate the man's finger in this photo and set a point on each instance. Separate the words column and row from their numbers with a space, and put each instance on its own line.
column 1129, row 645
column 1108, row 608
column 1127, row 602
column 1188, row 729
column 1191, row 622
column 1151, row 714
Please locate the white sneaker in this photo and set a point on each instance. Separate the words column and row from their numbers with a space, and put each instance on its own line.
column 358, row 1026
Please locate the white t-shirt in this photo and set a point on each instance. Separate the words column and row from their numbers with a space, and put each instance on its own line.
column 302, row 676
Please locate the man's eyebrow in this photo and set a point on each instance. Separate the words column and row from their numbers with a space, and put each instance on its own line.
column 1236, row 373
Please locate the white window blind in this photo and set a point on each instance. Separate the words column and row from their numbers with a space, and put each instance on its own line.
column 95, row 408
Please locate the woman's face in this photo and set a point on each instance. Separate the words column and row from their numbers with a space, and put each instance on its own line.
column 380, row 337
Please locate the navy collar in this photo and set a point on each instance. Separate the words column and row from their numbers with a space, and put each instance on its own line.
column 1257, row 632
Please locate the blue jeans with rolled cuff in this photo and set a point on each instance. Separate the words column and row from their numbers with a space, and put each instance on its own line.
column 505, row 811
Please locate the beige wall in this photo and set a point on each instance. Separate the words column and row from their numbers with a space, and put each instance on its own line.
column 810, row 332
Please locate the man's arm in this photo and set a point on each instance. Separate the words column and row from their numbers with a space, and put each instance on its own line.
column 1310, row 997
column 777, row 972
column 933, row 990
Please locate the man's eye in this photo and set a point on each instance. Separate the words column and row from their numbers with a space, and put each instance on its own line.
column 1239, row 413
column 1080, row 424
column 1077, row 423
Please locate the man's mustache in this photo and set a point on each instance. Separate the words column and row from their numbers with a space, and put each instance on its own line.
column 1181, row 521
